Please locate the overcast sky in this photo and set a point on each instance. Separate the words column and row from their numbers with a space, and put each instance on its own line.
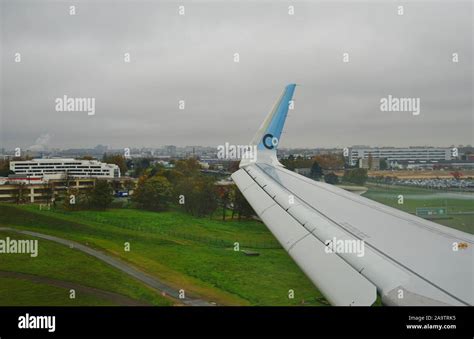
column 191, row 58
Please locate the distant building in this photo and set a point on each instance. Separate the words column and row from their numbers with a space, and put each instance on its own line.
column 393, row 155
column 164, row 163
column 204, row 165
column 373, row 165
column 171, row 150
column 33, row 190
column 101, row 149
column 49, row 188
column 37, row 168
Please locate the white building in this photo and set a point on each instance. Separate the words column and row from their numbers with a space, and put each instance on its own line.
column 71, row 167
column 392, row 154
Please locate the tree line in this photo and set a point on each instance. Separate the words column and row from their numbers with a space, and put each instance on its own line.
column 322, row 167
column 160, row 189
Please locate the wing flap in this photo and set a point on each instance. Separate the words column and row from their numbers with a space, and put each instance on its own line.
column 336, row 279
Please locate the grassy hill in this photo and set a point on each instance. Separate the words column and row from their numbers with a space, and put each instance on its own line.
column 60, row 263
column 195, row 254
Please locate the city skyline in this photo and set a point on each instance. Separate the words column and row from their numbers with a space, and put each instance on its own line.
column 107, row 148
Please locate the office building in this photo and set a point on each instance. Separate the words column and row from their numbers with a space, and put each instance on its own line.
column 72, row 167
column 394, row 154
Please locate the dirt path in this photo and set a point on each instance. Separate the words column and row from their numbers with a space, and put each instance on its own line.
column 120, row 265
column 115, row 298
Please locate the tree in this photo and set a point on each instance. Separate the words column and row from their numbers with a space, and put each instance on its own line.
column 154, row 170
column 233, row 166
column 74, row 199
column 331, row 178
column 330, row 161
column 356, row 176
column 118, row 160
column 316, row 171
column 48, row 189
column 138, row 166
column 291, row 162
column 383, row 164
column 128, row 185
column 198, row 194
column 153, row 193
column 101, row 196
column 173, row 176
column 288, row 163
column 20, row 193
column 188, row 167
column 223, row 193
column 5, row 168
column 241, row 205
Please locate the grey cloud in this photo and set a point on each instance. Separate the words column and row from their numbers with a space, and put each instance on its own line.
column 190, row 58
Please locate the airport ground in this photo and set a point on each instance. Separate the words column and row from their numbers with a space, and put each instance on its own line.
column 184, row 252
column 459, row 205
column 428, row 174
column 418, row 174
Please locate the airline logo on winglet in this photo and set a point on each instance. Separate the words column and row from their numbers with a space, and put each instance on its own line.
column 269, row 141
column 273, row 124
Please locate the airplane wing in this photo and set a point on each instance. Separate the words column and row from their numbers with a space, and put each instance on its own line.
column 351, row 247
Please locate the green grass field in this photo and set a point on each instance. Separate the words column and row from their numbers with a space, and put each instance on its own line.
column 59, row 262
column 418, row 197
column 195, row 254
column 18, row 292
column 203, row 268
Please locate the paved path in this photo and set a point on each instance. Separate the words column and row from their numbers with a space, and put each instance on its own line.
column 120, row 265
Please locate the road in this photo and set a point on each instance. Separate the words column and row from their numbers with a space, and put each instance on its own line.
column 120, row 265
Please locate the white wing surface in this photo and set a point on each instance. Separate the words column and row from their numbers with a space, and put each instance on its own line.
column 408, row 260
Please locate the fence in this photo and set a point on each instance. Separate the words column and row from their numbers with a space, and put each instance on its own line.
column 211, row 241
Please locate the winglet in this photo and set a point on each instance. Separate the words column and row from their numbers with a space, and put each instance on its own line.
column 267, row 138
column 268, row 135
